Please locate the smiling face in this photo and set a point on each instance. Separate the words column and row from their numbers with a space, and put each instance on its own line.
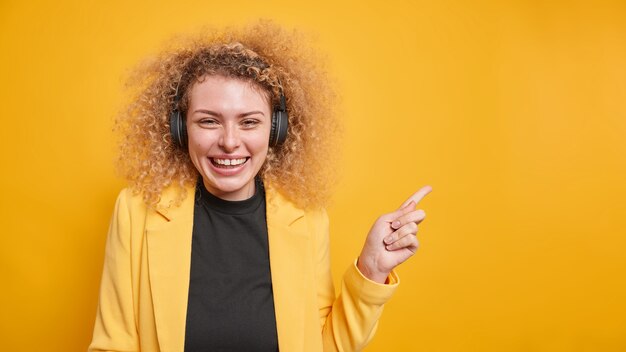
column 228, row 125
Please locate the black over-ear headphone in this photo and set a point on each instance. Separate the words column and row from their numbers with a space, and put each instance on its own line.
column 278, row 132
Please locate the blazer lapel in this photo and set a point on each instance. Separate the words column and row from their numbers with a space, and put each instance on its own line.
column 169, row 234
column 287, row 236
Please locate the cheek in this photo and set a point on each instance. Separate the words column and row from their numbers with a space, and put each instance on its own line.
column 197, row 152
column 259, row 141
column 194, row 146
column 261, row 146
column 198, row 141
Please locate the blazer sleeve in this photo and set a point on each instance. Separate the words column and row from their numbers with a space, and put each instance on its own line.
column 115, row 328
column 348, row 321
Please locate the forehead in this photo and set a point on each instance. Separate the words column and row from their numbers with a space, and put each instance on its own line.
column 220, row 90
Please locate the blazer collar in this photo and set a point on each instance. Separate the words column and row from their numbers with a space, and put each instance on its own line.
column 169, row 236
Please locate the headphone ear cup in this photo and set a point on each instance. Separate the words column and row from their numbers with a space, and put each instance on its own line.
column 178, row 130
column 273, row 129
column 280, row 124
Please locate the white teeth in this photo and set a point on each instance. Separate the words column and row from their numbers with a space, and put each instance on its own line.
column 229, row 162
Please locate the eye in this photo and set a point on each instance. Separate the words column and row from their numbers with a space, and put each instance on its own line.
column 250, row 123
column 207, row 123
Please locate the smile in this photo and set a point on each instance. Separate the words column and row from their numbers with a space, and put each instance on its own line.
column 228, row 163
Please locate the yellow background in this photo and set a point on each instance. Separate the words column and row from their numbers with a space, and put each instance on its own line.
column 514, row 112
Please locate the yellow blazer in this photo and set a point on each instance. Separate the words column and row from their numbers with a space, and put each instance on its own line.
column 145, row 281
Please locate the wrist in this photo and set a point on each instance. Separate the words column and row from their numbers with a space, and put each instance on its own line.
column 374, row 275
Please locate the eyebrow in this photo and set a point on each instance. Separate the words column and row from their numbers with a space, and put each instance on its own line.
column 217, row 114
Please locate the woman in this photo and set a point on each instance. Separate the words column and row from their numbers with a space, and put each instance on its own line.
column 221, row 242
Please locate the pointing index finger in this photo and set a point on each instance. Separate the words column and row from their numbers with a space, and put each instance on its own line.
column 417, row 196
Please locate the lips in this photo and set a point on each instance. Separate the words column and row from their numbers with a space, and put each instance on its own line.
column 228, row 163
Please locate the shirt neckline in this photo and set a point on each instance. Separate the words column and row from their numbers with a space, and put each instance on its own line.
column 233, row 207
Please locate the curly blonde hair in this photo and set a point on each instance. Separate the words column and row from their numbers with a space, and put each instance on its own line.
column 264, row 54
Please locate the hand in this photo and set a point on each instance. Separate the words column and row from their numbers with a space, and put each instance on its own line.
column 392, row 239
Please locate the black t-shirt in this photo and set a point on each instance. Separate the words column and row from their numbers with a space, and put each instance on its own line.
column 231, row 307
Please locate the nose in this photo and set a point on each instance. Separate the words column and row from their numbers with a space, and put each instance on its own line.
column 229, row 140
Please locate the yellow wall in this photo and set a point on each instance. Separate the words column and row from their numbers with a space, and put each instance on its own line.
column 516, row 114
